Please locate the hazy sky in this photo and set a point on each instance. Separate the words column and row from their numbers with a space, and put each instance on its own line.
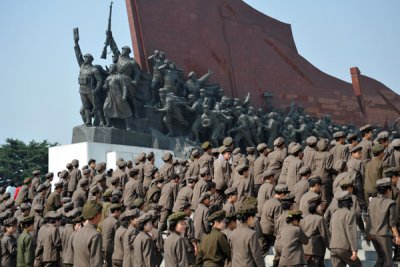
column 39, row 90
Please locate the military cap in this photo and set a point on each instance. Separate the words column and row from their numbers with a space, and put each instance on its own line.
column 315, row 179
column 73, row 213
column 339, row 134
column 94, row 189
column 236, row 151
column 142, row 156
column 133, row 172
column 195, row 153
column 153, row 213
column 391, row 171
column 49, row 175
column 250, row 149
column 159, row 180
column 218, row 215
column 24, row 206
column 38, row 207
column 167, row 156
column 279, row 141
column 231, row 191
column 133, row 213
column 295, row 214
column 107, row 193
column 223, row 149
column 261, row 147
column 355, row 149
column 66, row 200
column 64, row 174
column 316, row 198
column 304, row 170
column 28, row 220
column 85, row 167
column 382, row 135
column 288, row 197
column 281, row 188
column 114, row 180
column 69, row 166
column 91, row 161
column 204, row 171
column 27, row 180
column 75, row 163
column 138, row 202
column 144, row 218
column 10, row 222
column 136, row 160
column 193, row 179
column 203, row 196
column 150, row 155
column 333, row 143
column 91, row 209
column 347, row 181
column 231, row 216
column 52, row 215
column 117, row 193
column 249, row 206
column 115, row 206
column 377, row 149
column 83, row 182
column 384, row 182
column 344, row 195
column 214, row 151
column 99, row 167
column 78, row 219
column 227, row 141
column 242, row 167
column 177, row 216
column 396, row 143
column 366, row 128
column 268, row 173
column 5, row 196
column 58, row 185
column 86, row 172
column 35, row 172
column 296, row 148
column 311, row 140
column 351, row 136
column 322, row 144
column 68, row 206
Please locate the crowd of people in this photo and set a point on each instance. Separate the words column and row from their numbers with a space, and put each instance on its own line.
column 220, row 207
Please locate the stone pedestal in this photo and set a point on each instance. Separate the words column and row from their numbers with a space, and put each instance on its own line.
column 59, row 156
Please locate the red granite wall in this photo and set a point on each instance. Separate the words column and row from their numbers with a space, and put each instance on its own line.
column 249, row 52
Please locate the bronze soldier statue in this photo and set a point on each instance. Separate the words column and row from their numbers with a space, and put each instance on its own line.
column 156, row 60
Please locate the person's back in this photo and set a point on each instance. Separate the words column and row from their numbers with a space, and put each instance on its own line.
column 87, row 247
column 244, row 241
column 292, row 250
column 373, row 172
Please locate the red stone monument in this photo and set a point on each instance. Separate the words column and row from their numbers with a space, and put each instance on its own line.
column 252, row 52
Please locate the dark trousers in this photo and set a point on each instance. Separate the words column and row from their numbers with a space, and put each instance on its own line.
column 341, row 257
column 116, row 263
column 315, row 261
column 384, row 249
column 162, row 225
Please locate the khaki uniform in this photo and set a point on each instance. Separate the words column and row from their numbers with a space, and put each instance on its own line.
column 33, row 188
column 122, row 175
column 166, row 170
column 382, row 216
column 322, row 166
column 109, row 228
column 68, row 250
column 168, row 196
column 304, row 201
column 308, row 158
column 260, row 165
column 129, row 238
column 246, row 250
column 293, row 175
column 49, row 245
column 175, row 251
column 87, row 247
column 199, row 188
column 275, row 160
column 214, row 249
column 357, row 167
column 200, row 221
column 118, row 250
column 38, row 200
column 79, row 198
column 265, row 192
column 207, row 161
column 293, row 238
column 222, row 173
column 65, row 239
column 143, row 250
column 244, row 190
column 8, row 251
column 229, row 207
column 284, row 172
column 343, row 238
column 22, row 195
column 52, row 203
column 25, row 250
column 133, row 190
column 366, row 150
column 148, row 168
column 280, row 223
column 373, row 172
column 298, row 191
column 75, row 176
column 184, row 195
column 194, row 169
column 158, row 246
column 269, row 213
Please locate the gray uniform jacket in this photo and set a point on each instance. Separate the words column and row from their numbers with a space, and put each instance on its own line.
column 293, row 238
column 316, row 229
column 144, row 250
column 200, row 221
column 175, row 254
column 343, row 230
column 118, row 253
column 269, row 213
column 87, row 247
column 129, row 238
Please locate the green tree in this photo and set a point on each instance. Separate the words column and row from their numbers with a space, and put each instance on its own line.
column 19, row 159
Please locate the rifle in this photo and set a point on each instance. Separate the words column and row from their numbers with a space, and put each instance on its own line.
column 106, row 43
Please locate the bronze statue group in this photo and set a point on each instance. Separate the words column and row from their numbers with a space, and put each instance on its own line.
column 224, row 206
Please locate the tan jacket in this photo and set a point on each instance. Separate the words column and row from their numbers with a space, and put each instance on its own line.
column 144, row 250
column 87, row 247
column 293, row 238
column 343, row 230
column 109, row 228
column 316, row 229
column 269, row 213
column 260, row 165
column 175, row 251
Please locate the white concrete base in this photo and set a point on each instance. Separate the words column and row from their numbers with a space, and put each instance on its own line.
column 59, row 156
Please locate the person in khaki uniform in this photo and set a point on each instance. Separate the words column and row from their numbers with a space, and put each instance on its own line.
column 34, row 184
column 214, row 248
column 373, row 171
column 266, row 190
column 294, row 166
column 129, row 237
column 206, row 160
column 366, row 143
column 293, row 239
column 340, row 152
column 382, row 222
column 75, row 176
column 109, row 228
column 222, row 173
column 120, row 173
column 322, row 166
column 133, row 188
column 246, row 249
column 260, row 165
column 201, row 186
column 143, row 246
column 39, row 198
column 285, row 165
column 250, row 156
column 167, row 169
column 232, row 196
column 310, row 150
column 79, row 197
column 48, row 246
column 194, row 165
column 54, row 201
column 242, row 185
column 68, row 250
column 87, row 244
column 316, row 229
column 315, row 188
column 185, row 194
column 357, row 168
column 23, row 192
column 8, row 243
column 175, row 247
column 25, row 245
column 68, row 231
column 118, row 249
column 200, row 216
column 343, row 244
column 168, row 196
column 301, row 187
column 148, row 170
column 231, row 224
column 275, row 158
